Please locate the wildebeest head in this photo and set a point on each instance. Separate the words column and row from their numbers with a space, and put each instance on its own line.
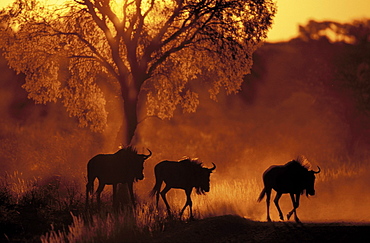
column 310, row 181
column 203, row 179
column 136, row 161
column 139, row 163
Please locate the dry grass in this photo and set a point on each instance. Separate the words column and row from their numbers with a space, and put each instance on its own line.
column 17, row 186
column 54, row 209
column 238, row 196
column 225, row 197
column 123, row 226
column 230, row 197
column 102, row 228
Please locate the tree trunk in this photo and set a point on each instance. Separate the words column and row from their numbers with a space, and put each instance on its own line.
column 130, row 95
column 130, row 103
column 130, row 123
column 127, row 132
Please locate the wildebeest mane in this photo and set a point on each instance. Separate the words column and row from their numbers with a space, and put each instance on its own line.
column 196, row 166
column 296, row 164
column 300, row 161
column 127, row 151
column 196, row 163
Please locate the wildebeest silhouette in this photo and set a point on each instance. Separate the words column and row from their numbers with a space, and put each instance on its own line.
column 125, row 166
column 292, row 178
column 184, row 174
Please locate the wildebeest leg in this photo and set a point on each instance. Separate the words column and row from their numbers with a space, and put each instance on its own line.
column 131, row 190
column 163, row 194
column 295, row 201
column 268, row 196
column 98, row 192
column 188, row 202
column 88, row 189
column 296, row 206
column 157, row 198
column 276, row 201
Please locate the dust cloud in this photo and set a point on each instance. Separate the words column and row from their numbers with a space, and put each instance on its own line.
column 293, row 104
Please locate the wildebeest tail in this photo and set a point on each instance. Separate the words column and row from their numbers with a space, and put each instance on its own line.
column 90, row 188
column 262, row 195
column 158, row 181
column 156, row 188
column 90, row 182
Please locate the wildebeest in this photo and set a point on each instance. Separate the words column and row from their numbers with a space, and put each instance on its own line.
column 125, row 166
column 292, row 178
column 185, row 174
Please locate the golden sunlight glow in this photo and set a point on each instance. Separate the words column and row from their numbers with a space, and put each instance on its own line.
column 290, row 14
column 117, row 5
column 117, row 8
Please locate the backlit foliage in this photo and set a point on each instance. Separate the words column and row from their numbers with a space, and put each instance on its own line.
column 152, row 45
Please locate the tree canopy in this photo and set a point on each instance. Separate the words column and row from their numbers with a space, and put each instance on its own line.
column 154, row 47
column 357, row 32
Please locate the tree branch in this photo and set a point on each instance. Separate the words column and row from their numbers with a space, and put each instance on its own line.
column 99, row 57
column 107, row 11
column 155, row 43
column 187, row 40
column 113, row 42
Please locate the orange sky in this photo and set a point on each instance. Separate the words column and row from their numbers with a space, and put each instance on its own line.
column 291, row 13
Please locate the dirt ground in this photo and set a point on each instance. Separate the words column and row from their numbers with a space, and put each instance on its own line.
column 230, row 228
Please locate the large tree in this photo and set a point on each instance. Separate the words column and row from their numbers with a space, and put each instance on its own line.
column 155, row 47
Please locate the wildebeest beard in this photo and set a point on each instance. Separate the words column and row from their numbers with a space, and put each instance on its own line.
column 138, row 179
column 200, row 191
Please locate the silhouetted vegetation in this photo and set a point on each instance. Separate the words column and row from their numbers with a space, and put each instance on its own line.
column 350, row 48
column 141, row 48
column 355, row 33
column 307, row 97
column 55, row 211
column 31, row 207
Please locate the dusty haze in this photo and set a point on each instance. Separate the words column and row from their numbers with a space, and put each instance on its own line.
column 294, row 103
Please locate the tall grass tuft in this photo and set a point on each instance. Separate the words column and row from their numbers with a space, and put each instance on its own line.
column 123, row 226
column 237, row 196
column 100, row 228
column 28, row 206
column 17, row 186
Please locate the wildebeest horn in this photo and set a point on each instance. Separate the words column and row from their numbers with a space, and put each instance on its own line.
column 214, row 167
column 150, row 153
column 317, row 171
